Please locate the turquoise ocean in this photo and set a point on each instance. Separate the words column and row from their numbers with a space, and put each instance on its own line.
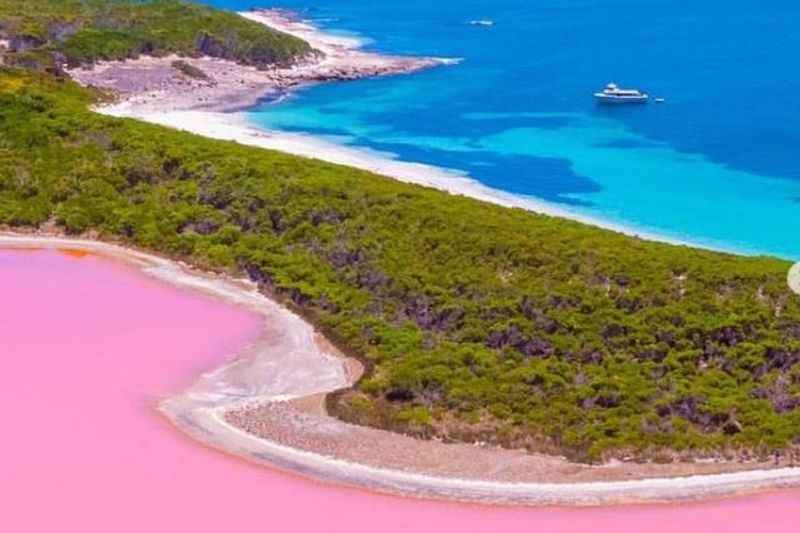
column 716, row 164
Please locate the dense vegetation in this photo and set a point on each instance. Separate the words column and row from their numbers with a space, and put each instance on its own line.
column 477, row 322
column 44, row 34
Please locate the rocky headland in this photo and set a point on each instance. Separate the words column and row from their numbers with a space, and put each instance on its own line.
column 151, row 84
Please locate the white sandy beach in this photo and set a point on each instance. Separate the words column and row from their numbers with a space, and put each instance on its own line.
column 234, row 127
column 152, row 85
column 204, row 110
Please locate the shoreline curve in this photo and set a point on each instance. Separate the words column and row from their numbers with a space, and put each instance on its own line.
column 288, row 362
column 223, row 120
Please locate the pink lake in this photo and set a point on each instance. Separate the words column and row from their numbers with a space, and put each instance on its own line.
column 90, row 345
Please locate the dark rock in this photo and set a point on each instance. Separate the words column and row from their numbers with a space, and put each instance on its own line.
column 629, row 305
column 325, row 217
column 21, row 43
column 276, row 218
column 664, row 411
column 341, row 257
column 609, row 401
column 622, row 280
column 298, row 297
column 539, row 318
column 732, row 427
column 777, row 359
column 717, row 419
column 561, row 302
column 779, row 394
column 57, row 69
column 614, row 330
column 257, row 275
column 138, row 174
column 215, row 197
column 420, row 310
column 256, row 205
column 606, row 401
column 399, row 394
column 782, row 359
column 536, row 347
column 785, row 403
column 651, row 354
column 513, row 337
column 728, row 336
column 594, row 357
column 793, row 330
column 688, row 408
column 728, row 366
column 373, row 280
column 449, row 319
column 209, row 45
column 324, row 303
column 205, row 227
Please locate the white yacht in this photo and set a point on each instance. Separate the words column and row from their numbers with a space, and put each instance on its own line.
column 612, row 94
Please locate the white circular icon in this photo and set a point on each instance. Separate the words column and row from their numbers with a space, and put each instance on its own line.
column 794, row 278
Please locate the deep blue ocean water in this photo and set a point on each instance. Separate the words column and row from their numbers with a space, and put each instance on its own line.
column 716, row 164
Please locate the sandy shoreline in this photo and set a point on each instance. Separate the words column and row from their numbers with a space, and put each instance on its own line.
column 273, row 389
column 153, row 85
column 150, row 90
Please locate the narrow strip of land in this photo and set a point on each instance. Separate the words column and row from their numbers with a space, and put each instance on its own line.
column 266, row 407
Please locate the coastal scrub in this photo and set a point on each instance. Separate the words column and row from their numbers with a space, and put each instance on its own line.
column 476, row 322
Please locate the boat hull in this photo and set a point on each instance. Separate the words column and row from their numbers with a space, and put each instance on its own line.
column 617, row 100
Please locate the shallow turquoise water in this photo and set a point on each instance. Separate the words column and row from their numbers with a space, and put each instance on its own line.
column 716, row 164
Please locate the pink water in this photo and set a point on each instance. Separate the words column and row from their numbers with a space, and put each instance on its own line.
column 89, row 345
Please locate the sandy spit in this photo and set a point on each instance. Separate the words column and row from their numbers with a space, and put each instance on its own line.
column 288, row 369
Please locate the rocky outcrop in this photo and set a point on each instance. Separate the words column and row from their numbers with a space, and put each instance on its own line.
column 21, row 43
